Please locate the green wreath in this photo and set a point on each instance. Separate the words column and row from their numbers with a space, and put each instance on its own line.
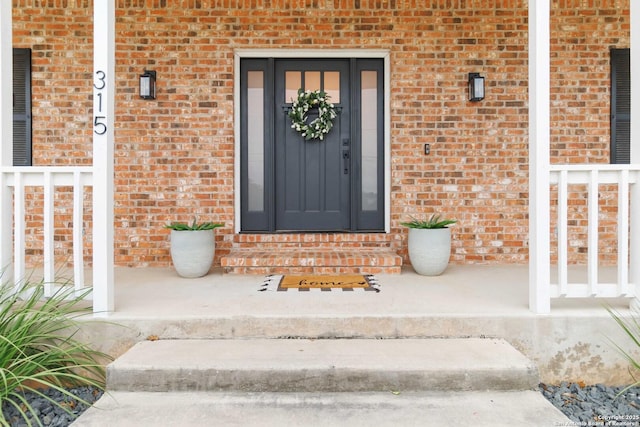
column 306, row 101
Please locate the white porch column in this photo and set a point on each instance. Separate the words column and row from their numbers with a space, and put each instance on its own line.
column 103, row 142
column 634, row 250
column 635, row 88
column 6, row 138
column 539, row 125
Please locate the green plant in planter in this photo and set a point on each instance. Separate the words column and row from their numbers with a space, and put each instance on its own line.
column 194, row 226
column 434, row 221
column 192, row 247
column 429, row 244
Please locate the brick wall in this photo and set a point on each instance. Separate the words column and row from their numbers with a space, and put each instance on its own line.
column 175, row 155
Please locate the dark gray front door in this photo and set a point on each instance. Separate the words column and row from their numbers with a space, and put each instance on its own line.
column 312, row 177
column 289, row 184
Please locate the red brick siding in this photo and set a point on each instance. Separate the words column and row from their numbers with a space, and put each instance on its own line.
column 175, row 155
column 582, row 34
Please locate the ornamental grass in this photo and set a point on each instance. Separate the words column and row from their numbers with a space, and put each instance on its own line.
column 631, row 327
column 39, row 349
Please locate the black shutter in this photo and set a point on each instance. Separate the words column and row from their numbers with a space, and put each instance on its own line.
column 620, row 106
column 21, row 107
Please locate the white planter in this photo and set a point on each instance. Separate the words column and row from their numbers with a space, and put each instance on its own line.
column 192, row 252
column 429, row 250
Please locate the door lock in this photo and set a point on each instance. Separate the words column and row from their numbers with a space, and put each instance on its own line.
column 345, row 161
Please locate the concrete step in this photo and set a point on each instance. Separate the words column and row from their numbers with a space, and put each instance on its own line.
column 338, row 365
column 382, row 409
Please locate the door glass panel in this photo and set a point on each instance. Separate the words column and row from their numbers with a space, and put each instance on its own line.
column 332, row 86
column 293, row 82
column 369, row 132
column 255, row 137
column 312, row 80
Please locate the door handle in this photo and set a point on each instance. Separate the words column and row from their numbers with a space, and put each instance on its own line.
column 345, row 161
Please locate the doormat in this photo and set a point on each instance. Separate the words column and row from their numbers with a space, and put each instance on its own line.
column 315, row 283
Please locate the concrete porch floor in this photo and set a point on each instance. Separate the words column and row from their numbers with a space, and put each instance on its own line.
column 460, row 290
column 570, row 344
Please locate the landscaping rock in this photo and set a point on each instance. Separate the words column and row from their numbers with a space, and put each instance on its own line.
column 595, row 404
column 49, row 414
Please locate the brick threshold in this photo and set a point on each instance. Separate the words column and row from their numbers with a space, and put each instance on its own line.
column 316, row 261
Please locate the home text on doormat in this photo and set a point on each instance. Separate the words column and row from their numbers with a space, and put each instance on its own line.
column 323, row 283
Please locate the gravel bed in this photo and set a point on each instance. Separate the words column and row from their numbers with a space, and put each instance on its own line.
column 49, row 414
column 595, row 405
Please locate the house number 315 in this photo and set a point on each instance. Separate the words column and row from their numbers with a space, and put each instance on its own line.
column 99, row 125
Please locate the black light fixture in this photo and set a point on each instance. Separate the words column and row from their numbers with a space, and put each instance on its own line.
column 476, row 87
column 148, row 85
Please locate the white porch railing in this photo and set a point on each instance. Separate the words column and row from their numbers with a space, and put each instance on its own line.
column 14, row 182
column 623, row 179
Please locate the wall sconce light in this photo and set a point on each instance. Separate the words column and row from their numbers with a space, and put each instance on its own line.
column 476, row 87
column 148, row 85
